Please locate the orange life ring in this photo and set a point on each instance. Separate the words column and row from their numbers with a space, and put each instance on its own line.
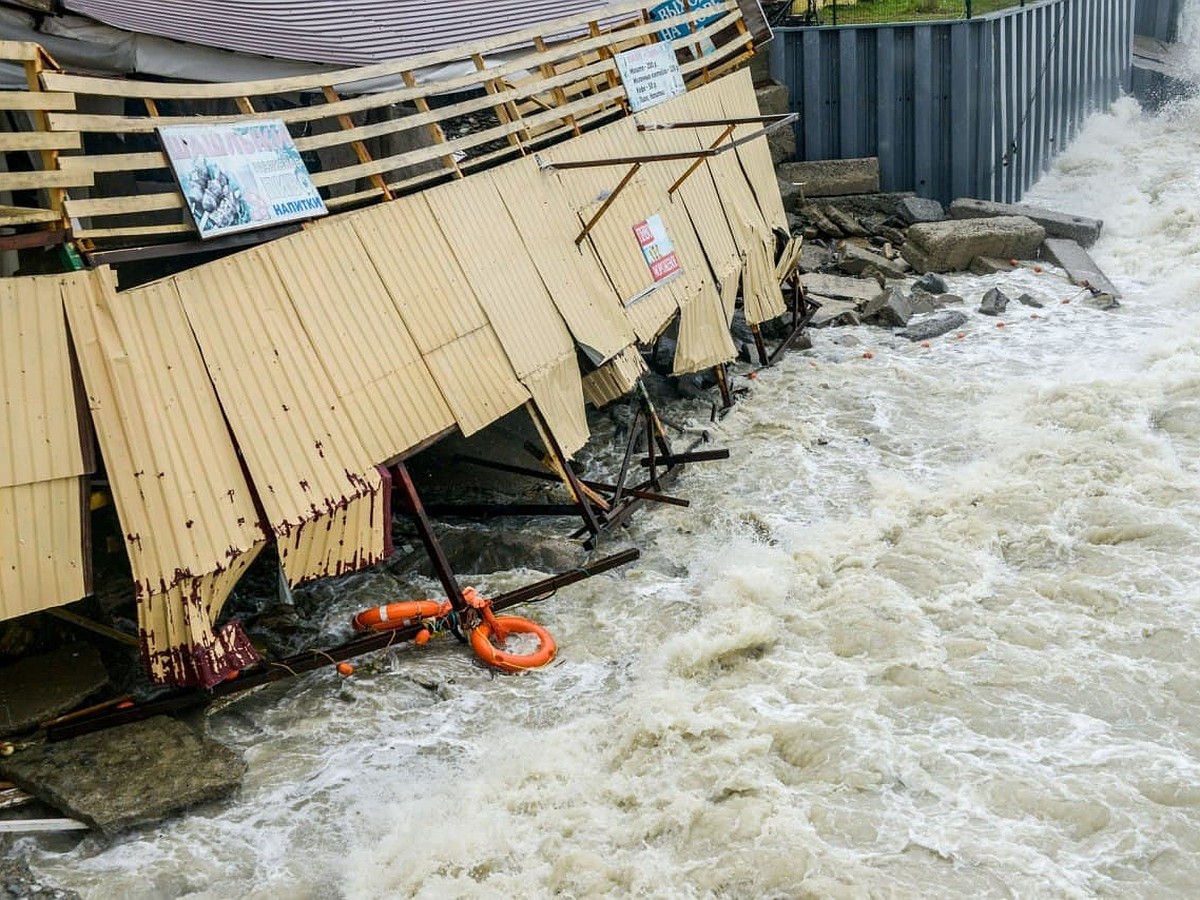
column 481, row 643
column 400, row 615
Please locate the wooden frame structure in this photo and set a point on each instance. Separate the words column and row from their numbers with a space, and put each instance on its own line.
column 104, row 181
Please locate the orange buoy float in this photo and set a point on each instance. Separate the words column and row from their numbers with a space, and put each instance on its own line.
column 501, row 626
column 400, row 615
column 345, row 669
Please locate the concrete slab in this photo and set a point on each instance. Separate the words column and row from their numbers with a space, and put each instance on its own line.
column 1079, row 265
column 1081, row 229
column 833, row 177
column 43, row 687
column 127, row 776
column 858, row 290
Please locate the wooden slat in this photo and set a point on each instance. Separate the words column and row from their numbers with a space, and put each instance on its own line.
column 115, row 162
column 25, row 181
column 131, row 231
column 22, row 51
column 36, row 100
column 107, row 87
column 39, row 140
column 19, row 826
column 115, row 206
column 145, row 125
column 22, row 215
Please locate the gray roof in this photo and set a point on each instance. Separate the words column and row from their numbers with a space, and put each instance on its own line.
column 351, row 32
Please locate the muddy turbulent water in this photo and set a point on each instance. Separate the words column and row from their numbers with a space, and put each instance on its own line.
column 932, row 632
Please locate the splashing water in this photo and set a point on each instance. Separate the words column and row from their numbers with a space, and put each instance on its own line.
column 930, row 632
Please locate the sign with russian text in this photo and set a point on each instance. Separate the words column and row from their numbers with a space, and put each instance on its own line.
column 657, row 248
column 240, row 176
column 650, row 75
column 672, row 8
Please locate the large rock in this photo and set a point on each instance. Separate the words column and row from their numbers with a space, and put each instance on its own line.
column 834, row 177
column 1082, row 230
column 772, row 99
column 18, row 882
column 951, row 246
column 42, row 687
column 889, row 308
column 994, row 302
column 860, row 261
column 877, row 204
column 920, row 209
column 934, row 326
column 126, row 776
column 833, row 312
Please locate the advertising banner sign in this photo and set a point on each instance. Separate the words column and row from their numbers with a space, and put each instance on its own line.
column 650, row 75
column 677, row 8
column 657, row 248
column 241, row 176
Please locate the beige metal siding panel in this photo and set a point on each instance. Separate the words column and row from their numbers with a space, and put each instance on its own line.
column 318, row 547
column 429, row 288
column 385, row 391
column 615, row 378
column 762, row 297
column 184, row 504
column 438, row 305
column 477, row 379
column 736, row 92
column 39, row 418
column 474, row 222
column 698, row 192
column 42, row 548
column 574, row 277
column 704, row 339
column 557, row 390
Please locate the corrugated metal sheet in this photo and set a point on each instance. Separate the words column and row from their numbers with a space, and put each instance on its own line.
column 476, row 225
column 384, row 389
column 762, row 297
column 698, row 193
column 40, row 440
column 573, row 275
column 704, row 339
column 42, row 546
column 615, row 378
column 306, row 464
column 440, row 309
column 186, row 510
column 557, row 391
column 736, row 93
column 613, row 236
column 331, row 31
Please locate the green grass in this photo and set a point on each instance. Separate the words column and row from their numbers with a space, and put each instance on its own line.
column 875, row 11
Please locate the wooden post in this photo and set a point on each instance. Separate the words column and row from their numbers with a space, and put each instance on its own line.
column 33, row 70
column 435, row 128
column 360, row 149
column 560, row 96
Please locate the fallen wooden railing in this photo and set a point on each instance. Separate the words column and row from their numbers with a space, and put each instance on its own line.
column 541, row 92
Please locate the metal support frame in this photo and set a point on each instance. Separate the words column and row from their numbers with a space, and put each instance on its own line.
column 410, row 503
column 608, row 201
column 558, row 462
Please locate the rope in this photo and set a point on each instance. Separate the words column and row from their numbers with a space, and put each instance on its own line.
column 1014, row 148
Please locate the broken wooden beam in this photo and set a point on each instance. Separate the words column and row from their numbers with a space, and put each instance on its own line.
column 681, row 459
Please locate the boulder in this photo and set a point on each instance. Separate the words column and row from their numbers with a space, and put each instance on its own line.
column 931, row 283
column 772, row 99
column 987, row 265
column 1082, row 230
column 994, row 302
column 922, row 301
column 1030, row 300
column 1101, row 300
column 889, row 308
column 813, row 256
column 920, row 209
column 934, row 326
column 891, row 234
column 878, row 204
column 860, row 261
column 817, row 217
column 129, row 775
column 833, row 312
column 834, row 177
column 42, row 687
column 789, row 193
column 846, row 223
column 950, row 246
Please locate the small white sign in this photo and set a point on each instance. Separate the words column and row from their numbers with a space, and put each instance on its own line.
column 242, row 176
column 650, row 75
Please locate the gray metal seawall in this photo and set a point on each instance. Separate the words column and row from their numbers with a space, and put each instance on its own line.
column 965, row 108
column 1158, row 19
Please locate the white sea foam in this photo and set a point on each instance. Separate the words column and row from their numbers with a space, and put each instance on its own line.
column 931, row 632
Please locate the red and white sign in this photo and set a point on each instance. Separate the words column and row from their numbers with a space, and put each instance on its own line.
column 656, row 248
